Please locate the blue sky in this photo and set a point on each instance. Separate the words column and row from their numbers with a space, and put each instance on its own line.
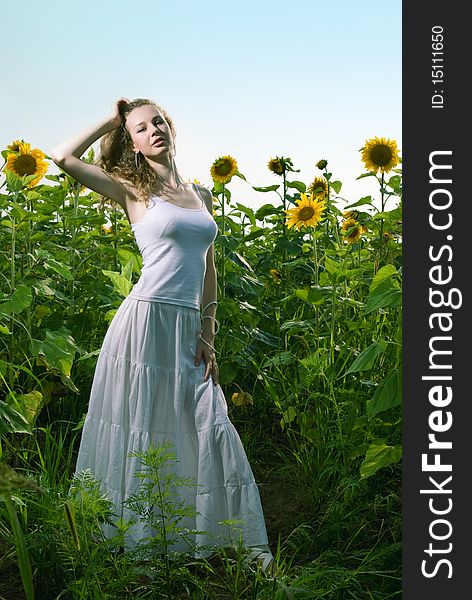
column 305, row 79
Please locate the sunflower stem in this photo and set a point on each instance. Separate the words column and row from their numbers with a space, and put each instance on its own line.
column 315, row 256
column 382, row 201
column 12, row 285
column 74, row 238
column 29, row 250
column 328, row 210
column 284, row 230
column 115, row 240
column 223, row 246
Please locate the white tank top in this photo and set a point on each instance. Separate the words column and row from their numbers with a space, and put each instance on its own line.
column 173, row 242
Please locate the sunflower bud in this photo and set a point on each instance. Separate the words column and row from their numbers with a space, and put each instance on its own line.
column 321, row 164
column 276, row 165
column 276, row 275
column 241, row 399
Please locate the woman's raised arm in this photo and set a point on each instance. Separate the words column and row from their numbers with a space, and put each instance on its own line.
column 67, row 156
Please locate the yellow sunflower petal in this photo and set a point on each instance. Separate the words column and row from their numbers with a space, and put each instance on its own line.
column 223, row 169
column 27, row 162
column 308, row 212
column 380, row 154
column 352, row 231
column 14, row 146
column 276, row 165
column 319, row 187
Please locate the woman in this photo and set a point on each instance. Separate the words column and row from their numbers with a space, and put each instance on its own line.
column 156, row 378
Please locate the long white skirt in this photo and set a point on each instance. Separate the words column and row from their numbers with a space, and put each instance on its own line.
column 147, row 390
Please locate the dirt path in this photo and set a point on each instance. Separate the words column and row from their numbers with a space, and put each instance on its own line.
column 282, row 508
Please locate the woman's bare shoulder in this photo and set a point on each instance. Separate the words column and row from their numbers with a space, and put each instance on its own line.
column 134, row 202
column 207, row 197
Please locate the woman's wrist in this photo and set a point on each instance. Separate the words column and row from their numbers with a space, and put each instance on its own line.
column 208, row 334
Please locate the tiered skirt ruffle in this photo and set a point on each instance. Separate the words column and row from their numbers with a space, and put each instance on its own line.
column 147, row 390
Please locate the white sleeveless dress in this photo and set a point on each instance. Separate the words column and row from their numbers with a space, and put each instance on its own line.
column 147, row 389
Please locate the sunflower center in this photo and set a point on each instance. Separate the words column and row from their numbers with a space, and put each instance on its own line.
column 25, row 164
column 223, row 168
column 381, row 155
column 306, row 213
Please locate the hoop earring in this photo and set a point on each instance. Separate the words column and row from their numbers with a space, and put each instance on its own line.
column 136, row 159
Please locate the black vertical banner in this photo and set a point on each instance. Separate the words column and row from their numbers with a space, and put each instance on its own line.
column 437, row 211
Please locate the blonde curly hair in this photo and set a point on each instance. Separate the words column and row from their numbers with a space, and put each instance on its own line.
column 118, row 158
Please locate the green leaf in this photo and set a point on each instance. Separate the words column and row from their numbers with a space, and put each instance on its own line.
column 121, row 284
column 366, row 175
column 336, row 185
column 335, row 271
column 387, row 395
column 30, row 404
column 57, row 350
column 381, row 275
column 248, row 212
column 14, row 183
column 294, row 326
column 379, row 455
column 238, row 174
column 11, row 421
column 363, row 201
column 313, row 295
column 59, row 268
column 331, row 266
column 263, row 336
column 241, row 261
column 394, row 182
column 297, row 185
column 389, row 215
column 42, row 288
column 366, row 359
column 266, row 210
column 260, row 231
column 386, row 294
column 288, row 416
column 126, row 255
column 127, row 269
column 281, row 358
column 269, row 188
column 4, row 329
column 18, row 301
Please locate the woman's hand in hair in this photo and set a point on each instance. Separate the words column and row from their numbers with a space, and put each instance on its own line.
column 116, row 116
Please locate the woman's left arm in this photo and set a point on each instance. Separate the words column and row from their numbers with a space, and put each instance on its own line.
column 210, row 290
column 208, row 306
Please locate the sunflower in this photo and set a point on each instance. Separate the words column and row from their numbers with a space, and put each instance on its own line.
column 276, row 275
column 307, row 213
column 380, row 154
column 350, row 214
column 15, row 146
column 319, row 187
column 352, row 230
column 223, row 169
column 25, row 161
column 276, row 165
column 107, row 229
column 241, row 398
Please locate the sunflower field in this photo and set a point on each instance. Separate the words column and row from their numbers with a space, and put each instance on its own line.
column 309, row 348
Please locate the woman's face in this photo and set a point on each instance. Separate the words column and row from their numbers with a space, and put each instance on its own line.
column 149, row 131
